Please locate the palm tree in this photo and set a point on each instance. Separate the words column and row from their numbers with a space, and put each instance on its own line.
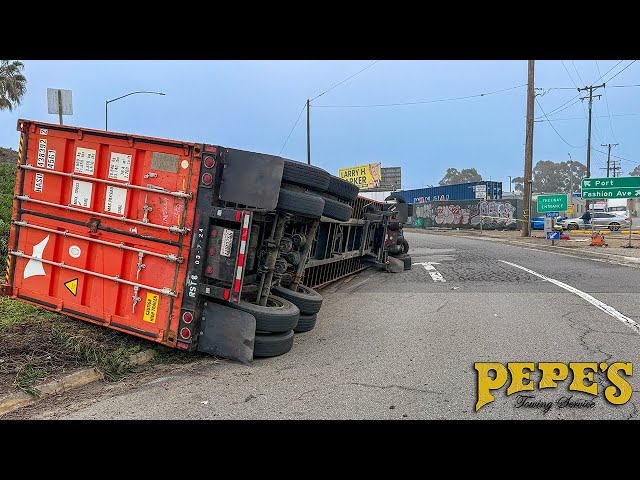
column 13, row 84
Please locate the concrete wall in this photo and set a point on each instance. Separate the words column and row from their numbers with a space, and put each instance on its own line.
column 467, row 214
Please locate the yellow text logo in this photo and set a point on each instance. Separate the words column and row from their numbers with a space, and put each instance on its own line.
column 494, row 376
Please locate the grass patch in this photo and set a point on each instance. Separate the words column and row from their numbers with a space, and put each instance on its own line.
column 27, row 376
column 14, row 312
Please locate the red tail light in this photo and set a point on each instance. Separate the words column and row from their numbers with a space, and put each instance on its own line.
column 187, row 317
column 227, row 293
column 185, row 333
column 182, row 345
column 207, row 178
column 209, row 162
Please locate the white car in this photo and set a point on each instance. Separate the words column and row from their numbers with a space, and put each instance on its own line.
column 610, row 220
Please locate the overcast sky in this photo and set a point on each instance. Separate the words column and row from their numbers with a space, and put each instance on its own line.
column 253, row 105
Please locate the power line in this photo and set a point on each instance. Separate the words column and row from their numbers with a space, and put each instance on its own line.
column 421, row 102
column 576, row 69
column 607, row 103
column 345, row 80
column 554, row 128
column 558, row 111
column 621, row 71
column 294, row 126
column 567, row 70
column 601, row 116
column 616, row 156
column 609, row 71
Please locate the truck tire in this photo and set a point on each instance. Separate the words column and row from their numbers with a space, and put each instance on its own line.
column 300, row 203
column 342, row 189
column 272, row 344
column 279, row 315
column 337, row 210
column 306, row 299
column 305, row 175
column 306, row 323
column 405, row 246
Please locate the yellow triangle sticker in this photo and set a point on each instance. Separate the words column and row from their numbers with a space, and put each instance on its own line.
column 72, row 286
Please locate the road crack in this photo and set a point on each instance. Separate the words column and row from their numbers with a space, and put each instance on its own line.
column 401, row 387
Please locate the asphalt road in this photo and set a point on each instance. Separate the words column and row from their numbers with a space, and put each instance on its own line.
column 403, row 346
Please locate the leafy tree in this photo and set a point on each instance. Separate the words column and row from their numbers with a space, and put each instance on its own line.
column 13, row 84
column 635, row 172
column 554, row 177
column 517, row 183
column 465, row 175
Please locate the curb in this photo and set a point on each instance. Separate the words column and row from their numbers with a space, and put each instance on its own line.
column 621, row 259
column 73, row 380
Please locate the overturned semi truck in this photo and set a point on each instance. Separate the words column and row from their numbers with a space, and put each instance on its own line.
column 192, row 245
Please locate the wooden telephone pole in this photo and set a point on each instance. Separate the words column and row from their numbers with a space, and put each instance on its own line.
column 590, row 97
column 609, row 154
column 528, row 153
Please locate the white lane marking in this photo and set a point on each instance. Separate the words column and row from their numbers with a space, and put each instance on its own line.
column 436, row 276
column 609, row 310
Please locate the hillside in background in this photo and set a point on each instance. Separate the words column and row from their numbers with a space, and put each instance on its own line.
column 7, row 155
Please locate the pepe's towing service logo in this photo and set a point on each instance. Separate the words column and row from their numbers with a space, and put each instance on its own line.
column 517, row 375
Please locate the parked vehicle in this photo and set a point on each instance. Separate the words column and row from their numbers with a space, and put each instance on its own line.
column 537, row 223
column 600, row 220
column 192, row 245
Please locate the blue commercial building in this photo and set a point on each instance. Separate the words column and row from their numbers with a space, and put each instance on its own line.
column 459, row 191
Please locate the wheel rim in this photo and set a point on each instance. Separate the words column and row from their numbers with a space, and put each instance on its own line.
column 614, row 226
column 572, row 226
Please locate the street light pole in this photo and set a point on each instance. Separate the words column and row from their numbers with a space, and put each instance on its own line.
column 107, row 102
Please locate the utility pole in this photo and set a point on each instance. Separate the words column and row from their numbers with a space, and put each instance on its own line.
column 609, row 154
column 308, row 136
column 528, row 152
column 590, row 97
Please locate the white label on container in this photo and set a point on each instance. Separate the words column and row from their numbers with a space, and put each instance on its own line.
column 42, row 152
column 51, row 159
column 39, row 183
column 116, row 200
column 74, row 251
column 120, row 166
column 85, row 160
column 44, row 131
column 81, row 193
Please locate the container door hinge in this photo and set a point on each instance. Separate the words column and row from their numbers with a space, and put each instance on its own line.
column 135, row 298
column 147, row 209
column 140, row 265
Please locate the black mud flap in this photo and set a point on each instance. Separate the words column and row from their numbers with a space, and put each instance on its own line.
column 251, row 178
column 227, row 332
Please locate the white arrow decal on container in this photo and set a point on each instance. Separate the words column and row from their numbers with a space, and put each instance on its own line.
column 34, row 267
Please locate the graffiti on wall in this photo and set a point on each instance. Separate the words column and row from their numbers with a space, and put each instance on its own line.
column 467, row 214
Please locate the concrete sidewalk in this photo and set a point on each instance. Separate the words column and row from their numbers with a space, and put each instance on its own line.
column 616, row 249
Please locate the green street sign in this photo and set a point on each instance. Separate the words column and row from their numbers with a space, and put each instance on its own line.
column 552, row 203
column 611, row 182
column 614, row 187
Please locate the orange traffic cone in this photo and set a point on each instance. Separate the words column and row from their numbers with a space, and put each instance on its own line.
column 597, row 239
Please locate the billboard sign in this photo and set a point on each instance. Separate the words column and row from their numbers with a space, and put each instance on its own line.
column 364, row 176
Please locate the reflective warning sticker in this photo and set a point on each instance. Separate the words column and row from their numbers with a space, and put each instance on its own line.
column 39, row 183
column 42, row 152
column 85, row 160
column 120, row 166
column 115, row 200
column 81, row 193
column 72, row 286
column 51, row 159
column 44, row 131
column 151, row 307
